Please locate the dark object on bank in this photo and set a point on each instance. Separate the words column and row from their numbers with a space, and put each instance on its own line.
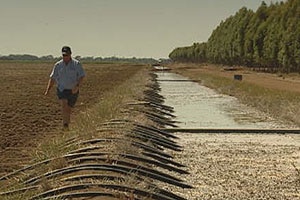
column 238, row 77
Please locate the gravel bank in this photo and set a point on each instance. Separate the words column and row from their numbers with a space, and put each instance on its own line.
column 240, row 166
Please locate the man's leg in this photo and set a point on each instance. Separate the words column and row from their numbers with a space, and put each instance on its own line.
column 66, row 112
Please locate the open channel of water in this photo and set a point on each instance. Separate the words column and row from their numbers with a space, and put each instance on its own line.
column 197, row 106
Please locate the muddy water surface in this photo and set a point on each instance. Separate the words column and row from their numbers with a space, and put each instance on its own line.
column 197, row 106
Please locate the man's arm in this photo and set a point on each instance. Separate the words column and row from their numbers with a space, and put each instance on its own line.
column 76, row 88
column 50, row 85
column 80, row 81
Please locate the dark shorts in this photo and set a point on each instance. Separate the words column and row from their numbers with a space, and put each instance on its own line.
column 67, row 94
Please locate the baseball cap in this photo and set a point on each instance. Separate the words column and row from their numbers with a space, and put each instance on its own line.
column 66, row 50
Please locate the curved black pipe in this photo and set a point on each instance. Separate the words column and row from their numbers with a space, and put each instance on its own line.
column 84, row 194
column 111, row 177
column 134, row 143
column 157, row 135
column 127, row 164
column 128, row 156
column 162, row 159
column 84, row 186
column 106, row 167
column 154, row 129
column 146, row 138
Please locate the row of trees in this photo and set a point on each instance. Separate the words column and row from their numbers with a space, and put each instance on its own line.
column 269, row 37
column 27, row 57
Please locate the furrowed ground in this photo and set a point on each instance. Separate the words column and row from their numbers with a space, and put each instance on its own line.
column 27, row 117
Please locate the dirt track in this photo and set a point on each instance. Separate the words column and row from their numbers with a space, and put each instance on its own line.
column 27, row 116
column 273, row 81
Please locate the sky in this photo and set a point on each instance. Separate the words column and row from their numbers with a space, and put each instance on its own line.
column 104, row 28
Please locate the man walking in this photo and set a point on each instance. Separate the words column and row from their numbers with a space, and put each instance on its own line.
column 68, row 75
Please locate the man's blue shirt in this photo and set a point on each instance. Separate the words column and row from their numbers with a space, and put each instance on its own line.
column 67, row 76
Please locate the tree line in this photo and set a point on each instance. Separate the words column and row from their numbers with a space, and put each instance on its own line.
column 268, row 38
column 28, row 57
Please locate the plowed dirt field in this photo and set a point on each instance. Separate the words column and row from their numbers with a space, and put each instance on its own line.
column 27, row 116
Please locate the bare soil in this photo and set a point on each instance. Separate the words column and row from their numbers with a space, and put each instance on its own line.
column 27, row 117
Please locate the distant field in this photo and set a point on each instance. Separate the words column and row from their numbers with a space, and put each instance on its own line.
column 27, row 117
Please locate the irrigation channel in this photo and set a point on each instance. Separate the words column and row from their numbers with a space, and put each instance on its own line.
column 232, row 151
column 201, row 109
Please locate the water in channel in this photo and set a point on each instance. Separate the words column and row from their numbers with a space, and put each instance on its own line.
column 197, row 106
